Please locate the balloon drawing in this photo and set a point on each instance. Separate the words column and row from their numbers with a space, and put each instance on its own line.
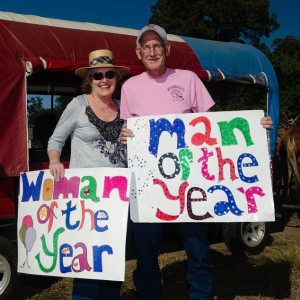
column 27, row 236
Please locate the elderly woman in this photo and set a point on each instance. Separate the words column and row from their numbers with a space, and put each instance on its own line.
column 93, row 121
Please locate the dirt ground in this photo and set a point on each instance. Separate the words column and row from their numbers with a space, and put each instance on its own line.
column 292, row 230
column 237, row 278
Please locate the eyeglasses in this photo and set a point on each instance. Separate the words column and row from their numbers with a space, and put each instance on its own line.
column 100, row 75
column 155, row 47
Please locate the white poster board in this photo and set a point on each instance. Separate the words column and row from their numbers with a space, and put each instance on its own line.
column 200, row 167
column 75, row 227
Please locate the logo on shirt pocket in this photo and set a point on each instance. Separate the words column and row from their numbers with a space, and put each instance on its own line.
column 176, row 93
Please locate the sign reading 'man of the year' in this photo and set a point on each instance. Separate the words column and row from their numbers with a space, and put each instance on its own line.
column 75, row 227
column 200, row 167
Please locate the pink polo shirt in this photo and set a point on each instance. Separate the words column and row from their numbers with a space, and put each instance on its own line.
column 175, row 92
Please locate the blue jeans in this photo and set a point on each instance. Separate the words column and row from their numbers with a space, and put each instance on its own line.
column 147, row 277
column 88, row 289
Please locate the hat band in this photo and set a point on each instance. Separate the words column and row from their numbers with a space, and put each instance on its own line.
column 102, row 59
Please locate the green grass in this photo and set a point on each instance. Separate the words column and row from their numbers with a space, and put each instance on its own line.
column 273, row 274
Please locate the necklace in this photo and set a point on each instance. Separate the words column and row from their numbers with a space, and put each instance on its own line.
column 97, row 102
column 103, row 109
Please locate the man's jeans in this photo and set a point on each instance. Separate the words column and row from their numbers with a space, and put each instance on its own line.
column 147, row 277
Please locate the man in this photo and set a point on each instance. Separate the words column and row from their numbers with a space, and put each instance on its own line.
column 150, row 94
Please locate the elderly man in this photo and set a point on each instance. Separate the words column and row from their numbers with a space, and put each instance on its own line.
column 150, row 93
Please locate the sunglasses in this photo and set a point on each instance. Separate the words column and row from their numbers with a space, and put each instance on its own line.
column 100, row 75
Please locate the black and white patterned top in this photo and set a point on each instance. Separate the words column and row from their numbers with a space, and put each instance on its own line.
column 94, row 142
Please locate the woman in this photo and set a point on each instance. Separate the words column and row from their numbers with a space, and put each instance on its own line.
column 93, row 121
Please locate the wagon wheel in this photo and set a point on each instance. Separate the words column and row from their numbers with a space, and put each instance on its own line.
column 8, row 269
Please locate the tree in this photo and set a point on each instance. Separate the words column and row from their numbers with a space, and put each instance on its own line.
column 61, row 103
column 229, row 21
column 289, row 45
column 230, row 96
column 34, row 109
column 285, row 59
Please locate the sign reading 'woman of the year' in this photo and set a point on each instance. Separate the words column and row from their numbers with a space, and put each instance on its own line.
column 75, row 227
column 200, row 167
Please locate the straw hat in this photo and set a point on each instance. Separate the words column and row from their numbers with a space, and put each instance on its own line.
column 103, row 58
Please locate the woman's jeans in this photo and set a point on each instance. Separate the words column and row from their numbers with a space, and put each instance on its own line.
column 88, row 289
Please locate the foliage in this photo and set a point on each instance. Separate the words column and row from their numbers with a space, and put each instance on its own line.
column 232, row 96
column 34, row 109
column 61, row 103
column 289, row 45
column 285, row 59
column 229, row 21
column 44, row 120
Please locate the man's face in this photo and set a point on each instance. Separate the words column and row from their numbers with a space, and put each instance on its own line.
column 153, row 53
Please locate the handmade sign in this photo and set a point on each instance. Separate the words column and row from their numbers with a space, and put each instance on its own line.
column 200, row 167
column 75, row 227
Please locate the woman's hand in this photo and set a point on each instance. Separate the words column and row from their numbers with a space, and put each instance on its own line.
column 57, row 170
column 125, row 133
column 266, row 122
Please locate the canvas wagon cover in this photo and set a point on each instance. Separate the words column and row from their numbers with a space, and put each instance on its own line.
column 30, row 44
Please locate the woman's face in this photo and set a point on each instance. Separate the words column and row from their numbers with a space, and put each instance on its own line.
column 103, row 81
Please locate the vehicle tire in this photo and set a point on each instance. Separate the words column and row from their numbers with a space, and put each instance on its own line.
column 246, row 237
column 8, row 269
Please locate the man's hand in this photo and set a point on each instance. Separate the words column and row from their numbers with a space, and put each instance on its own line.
column 266, row 122
column 125, row 133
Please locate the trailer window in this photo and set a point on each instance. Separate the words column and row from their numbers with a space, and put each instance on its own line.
column 48, row 93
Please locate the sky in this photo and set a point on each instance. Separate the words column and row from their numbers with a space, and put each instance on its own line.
column 134, row 13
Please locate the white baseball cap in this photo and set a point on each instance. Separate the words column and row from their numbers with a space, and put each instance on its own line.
column 152, row 27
